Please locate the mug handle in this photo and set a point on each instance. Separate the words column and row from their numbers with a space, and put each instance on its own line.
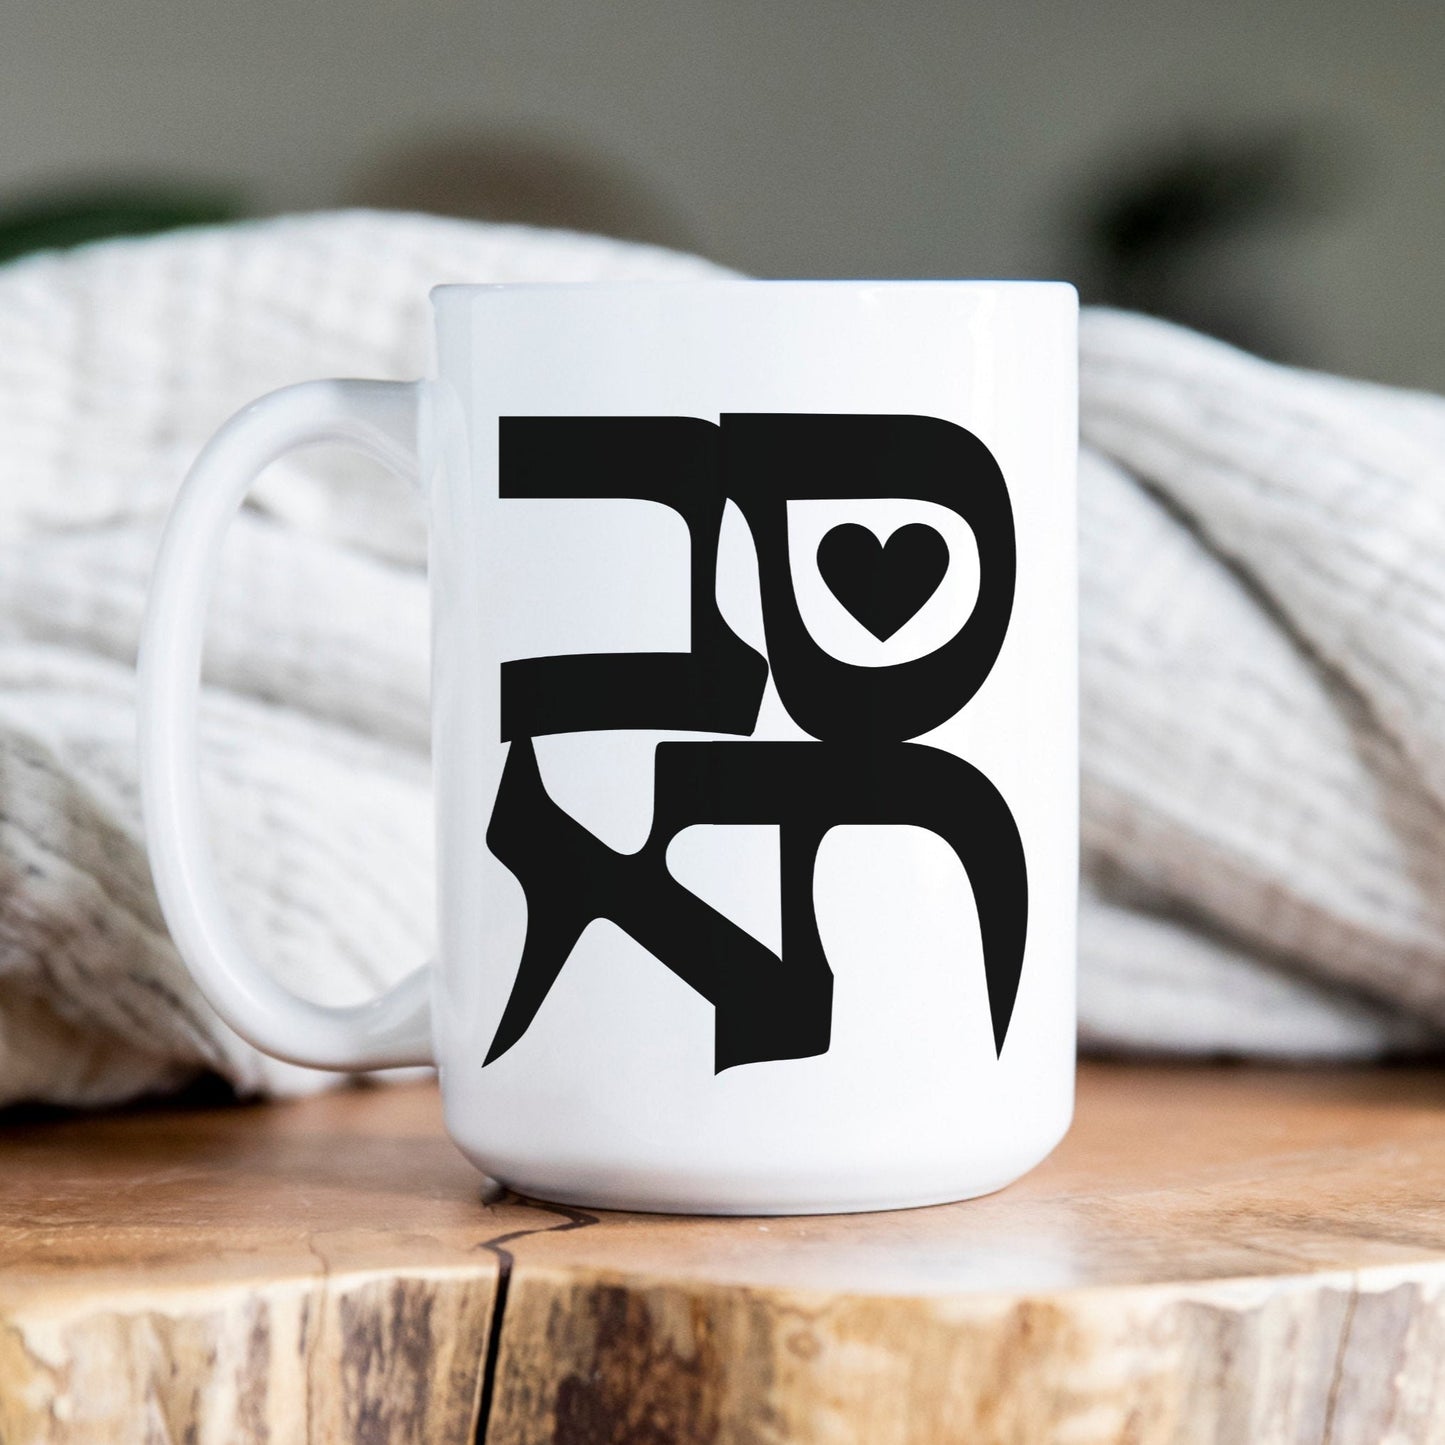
column 380, row 419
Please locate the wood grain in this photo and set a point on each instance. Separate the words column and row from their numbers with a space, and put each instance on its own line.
column 1214, row 1254
column 296, row 1272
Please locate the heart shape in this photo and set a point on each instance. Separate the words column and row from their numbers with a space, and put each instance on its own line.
column 883, row 584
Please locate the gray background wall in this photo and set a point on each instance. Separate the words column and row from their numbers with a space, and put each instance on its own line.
column 790, row 137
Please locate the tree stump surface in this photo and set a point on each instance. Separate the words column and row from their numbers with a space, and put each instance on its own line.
column 1222, row 1254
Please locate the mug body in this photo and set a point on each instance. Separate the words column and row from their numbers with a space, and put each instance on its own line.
column 755, row 737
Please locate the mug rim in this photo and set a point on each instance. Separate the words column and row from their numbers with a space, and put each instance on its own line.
column 448, row 289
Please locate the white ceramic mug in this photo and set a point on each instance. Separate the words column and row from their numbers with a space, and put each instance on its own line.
column 754, row 736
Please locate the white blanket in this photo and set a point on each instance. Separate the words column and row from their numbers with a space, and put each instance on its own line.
column 1263, row 663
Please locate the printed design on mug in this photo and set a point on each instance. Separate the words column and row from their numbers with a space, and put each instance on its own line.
column 861, row 767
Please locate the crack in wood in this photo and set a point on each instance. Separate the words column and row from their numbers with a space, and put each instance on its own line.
column 306, row 1343
column 1337, row 1375
column 571, row 1219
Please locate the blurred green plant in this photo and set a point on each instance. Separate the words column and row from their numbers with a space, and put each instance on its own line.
column 59, row 219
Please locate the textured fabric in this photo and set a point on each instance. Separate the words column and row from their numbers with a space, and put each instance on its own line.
column 1263, row 663
column 1264, row 555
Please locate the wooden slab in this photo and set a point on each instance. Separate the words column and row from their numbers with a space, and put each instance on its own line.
column 1227, row 1255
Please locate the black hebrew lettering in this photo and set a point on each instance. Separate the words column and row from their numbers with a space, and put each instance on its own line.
column 862, row 768
column 769, row 460
column 717, row 685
